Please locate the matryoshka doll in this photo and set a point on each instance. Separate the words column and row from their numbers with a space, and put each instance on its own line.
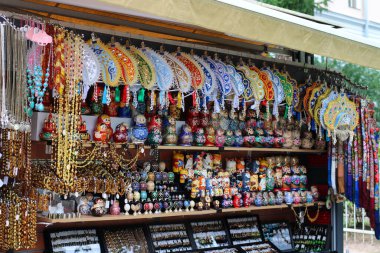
column 49, row 129
column 155, row 122
column 220, row 138
column 307, row 141
column 278, row 133
column 199, row 137
column 111, row 108
column 296, row 137
column 103, row 130
column 278, row 173
column 249, row 138
column 185, row 136
column 214, row 121
column 192, row 119
column 295, row 168
column 303, row 177
column 204, row 119
column 210, row 136
column 288, row 137
column 224, row 121
column 115, row 208
column 174, row 111
column 270, row 180
column 154, row 136
column 229, row 138
column 238, row 138
column 121, row 133
column 286, row 175
column 234, row 123
column 139, row 130
column 170, row 137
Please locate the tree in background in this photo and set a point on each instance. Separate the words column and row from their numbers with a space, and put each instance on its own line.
column 357, row 74
column 303, row 6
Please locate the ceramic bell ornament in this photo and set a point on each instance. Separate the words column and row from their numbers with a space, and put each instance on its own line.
column 121, row 133
column 139, row 130
column 103, row 131
column 199, row 137
column 186, row 136
column 49, row 129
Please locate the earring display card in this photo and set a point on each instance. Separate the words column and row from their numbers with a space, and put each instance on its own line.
column 311, row 238
column 209, row 234
column 170, row 238
column 78, row 241
column 258, row 248
column 244, row 230
column 125, row 240
column 279, row 234
column 224, row 250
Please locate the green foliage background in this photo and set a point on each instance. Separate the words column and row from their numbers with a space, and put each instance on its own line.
column 357, row 74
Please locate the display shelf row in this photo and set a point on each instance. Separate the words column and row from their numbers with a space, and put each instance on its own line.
column 194, row 148
column 85, row 218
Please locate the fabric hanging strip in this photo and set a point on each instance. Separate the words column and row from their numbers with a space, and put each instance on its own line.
column 350, row 173
column 333, row 167
column 376, row 189
column 360, row 158
column 340, row 167
column 364, row 202
column 329, row 161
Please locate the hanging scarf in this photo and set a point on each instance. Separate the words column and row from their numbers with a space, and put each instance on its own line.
column 350, row 174
column 340, row 167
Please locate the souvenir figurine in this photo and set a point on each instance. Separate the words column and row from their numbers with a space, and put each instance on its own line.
column 192, row 205
column 303, row 196
column 111, row 108
column 288, row 136
column 279, row 198
column 216, row 204
column 192, row 119
column 238, row 138
column 199, row 137
column 224, row 121
column 303, row 177
column 83, row 133
column 272, row 199
column 155, row 122
column 121, row 133
column 127, row 207
column 265, row 199
column 249, row 138
column 186, row 136
column 139, row 130
column 296, row 198
column 286, row 176
column 124, row 111
column 262, row 183
column 307, row 141
column 214, row 122
column 170, row 137
column 259, row 199
column 84, row 206
column 296, row 137
column 246, row 199
column 150, row 186
column 320, row 144
column 229, row 138
column 288, row 198
column 237, row 201
column 98, row 209
column 231, row 165
column 270, row 181
column 103, row 131
column 210, row 136
column 178, row 162
column 309, row 197
column 49, row 129
column 204, row 119
column 154, row 136
column 315, row 193
column 115, row 208
column 220, row 138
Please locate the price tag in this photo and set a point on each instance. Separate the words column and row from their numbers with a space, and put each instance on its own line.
column 5, row 180
column 107, row 204
column 1, row 183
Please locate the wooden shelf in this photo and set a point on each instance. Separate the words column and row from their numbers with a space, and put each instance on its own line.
column 205, row 148
column 122, row 217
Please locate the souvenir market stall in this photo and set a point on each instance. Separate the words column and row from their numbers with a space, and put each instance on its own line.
column 115, row 143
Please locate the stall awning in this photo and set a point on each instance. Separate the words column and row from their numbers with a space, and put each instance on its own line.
column 243, row 24
column 250, row 21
